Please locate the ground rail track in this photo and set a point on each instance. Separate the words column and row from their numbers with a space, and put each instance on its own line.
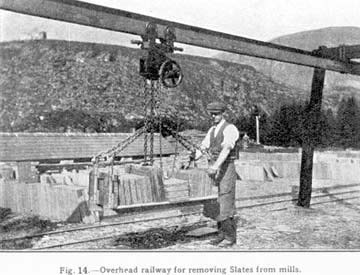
column 110, row 230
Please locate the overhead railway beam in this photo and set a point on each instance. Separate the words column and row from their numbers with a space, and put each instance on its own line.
column 343, row 52
column 128, row 22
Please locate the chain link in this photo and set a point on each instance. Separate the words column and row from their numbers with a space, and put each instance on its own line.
column 146, row 119
column 152, row 117
column 158, row 118
column 108, row 156
column 152, row 121
column 176, row 146
column 186, row 142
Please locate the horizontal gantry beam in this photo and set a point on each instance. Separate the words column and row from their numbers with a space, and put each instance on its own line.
column 127, row 22
column 342, row 52
column 353, row 51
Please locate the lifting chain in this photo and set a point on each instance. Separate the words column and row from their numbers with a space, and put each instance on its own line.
column 186, row 142
column 176, row 145
column 146, row 120
column 158, row 122
column 156, row 68
column 150, row 106
column 152, row 119
column 108, row 156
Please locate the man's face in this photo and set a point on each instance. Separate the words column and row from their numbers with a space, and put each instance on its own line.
column 216, row 117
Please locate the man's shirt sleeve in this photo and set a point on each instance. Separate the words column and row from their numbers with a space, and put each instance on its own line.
column 231, row 135
column 205, row 144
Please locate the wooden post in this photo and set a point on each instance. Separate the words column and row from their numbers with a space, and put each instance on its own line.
column 257, row 130
column 314, row 113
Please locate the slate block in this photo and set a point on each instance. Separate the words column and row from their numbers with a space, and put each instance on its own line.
column 202, row 232
column 198, row 180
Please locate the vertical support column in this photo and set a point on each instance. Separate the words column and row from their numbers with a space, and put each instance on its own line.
column 257, row 130
column 313, row 113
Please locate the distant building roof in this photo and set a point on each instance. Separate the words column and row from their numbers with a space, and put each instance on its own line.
column 56, row 146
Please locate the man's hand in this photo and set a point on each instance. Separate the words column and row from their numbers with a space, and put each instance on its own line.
column 192, row 155
column 212, row 171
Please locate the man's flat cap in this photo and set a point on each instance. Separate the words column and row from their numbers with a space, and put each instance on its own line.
column 216, row 107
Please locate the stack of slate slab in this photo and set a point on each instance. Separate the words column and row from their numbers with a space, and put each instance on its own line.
column 154, row 175
column 198, row 181
column 140, row 185
column 6, row 172
column 176, row 189
column 132, row 189
column 59, row 202
column 133, row 186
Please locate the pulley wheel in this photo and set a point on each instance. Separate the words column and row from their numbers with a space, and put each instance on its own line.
column 170, row 74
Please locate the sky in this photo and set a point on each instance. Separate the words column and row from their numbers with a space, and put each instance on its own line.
column 256, row 19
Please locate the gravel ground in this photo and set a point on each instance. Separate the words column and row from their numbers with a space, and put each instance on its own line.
column 13, row 225
column 330, row 226
column 142, row 235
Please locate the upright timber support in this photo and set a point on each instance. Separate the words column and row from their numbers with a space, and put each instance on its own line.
column 314, row 113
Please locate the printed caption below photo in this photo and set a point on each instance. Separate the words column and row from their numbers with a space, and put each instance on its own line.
column 155, row 270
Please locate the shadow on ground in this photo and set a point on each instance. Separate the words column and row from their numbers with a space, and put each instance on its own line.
column 12, row 225
column 156, row 238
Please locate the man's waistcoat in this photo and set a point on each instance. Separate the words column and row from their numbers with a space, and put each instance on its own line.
column 216, row 141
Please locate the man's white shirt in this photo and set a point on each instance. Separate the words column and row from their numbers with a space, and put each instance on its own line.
column 231, row 135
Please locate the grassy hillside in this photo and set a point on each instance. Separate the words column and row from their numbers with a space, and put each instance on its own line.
column 336, row 85
column 39, row 78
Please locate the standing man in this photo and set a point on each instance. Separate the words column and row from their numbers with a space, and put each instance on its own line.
column 221, row 143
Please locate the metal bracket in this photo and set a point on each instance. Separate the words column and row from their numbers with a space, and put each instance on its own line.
column 336, row 53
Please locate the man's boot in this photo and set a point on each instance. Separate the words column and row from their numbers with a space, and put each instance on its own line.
column 229, row 229
column 220, row 237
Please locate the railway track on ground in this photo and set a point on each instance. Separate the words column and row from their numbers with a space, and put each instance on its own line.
column 82, row 236
column 315, row 199
column 102, row 232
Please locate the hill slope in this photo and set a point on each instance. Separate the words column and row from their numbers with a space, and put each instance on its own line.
column 300, row 76
column 40, row 77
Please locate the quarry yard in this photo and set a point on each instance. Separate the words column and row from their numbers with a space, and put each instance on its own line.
column 266, row 223
column 330, row 226
column 267, row 216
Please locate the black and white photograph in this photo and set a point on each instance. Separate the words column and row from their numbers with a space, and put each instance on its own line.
column 198, row 128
